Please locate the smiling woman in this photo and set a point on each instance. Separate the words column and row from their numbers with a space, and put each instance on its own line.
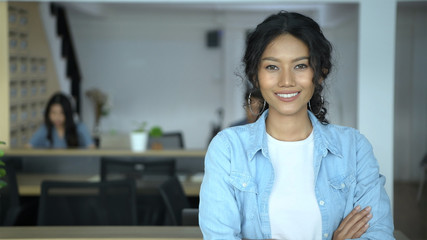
column 291, row 174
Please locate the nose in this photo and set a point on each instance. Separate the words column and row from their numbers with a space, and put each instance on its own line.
column 286, row 78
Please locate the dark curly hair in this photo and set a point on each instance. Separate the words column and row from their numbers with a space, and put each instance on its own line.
column 306, row 30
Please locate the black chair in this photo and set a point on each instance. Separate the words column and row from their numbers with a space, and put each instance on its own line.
column 10, row 206
column 171, row 140
column 423, row 165
column 87, row 203
column 190, row 217
column 148, row 175
column 176, row 201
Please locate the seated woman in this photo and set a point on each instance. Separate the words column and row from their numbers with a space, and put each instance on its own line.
column 59, row 129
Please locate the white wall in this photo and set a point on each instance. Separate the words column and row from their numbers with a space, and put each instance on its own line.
column 156, row 67
column 195, row 81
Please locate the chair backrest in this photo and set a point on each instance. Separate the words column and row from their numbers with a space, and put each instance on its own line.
column 148, row 175
column 143, row 171
column 87, row 203
column 190, row 217
column 175, row 199
column 171, row 140
column 9, row 195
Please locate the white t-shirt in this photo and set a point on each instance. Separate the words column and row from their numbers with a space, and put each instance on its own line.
column 294, row 213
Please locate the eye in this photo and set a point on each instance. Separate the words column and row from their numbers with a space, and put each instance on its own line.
column 271, row 67
column 301, row 66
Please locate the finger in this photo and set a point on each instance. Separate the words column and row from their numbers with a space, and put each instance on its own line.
column 356, row 218
column 358, row 228
column 361, row 231
column 347, row 218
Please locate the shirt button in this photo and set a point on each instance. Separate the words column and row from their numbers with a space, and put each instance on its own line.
column 325, row 235
column 244, row 184
column 322, row 203
column 342, row 185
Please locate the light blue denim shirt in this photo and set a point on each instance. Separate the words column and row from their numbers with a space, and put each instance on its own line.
column 239, row 177
column 39, row 138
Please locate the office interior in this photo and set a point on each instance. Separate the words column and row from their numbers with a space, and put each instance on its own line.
column 156, row 63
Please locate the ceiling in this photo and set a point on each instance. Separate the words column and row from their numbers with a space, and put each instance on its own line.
column 326, row 13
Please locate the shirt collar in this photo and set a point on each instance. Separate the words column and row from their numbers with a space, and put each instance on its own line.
column 323, row 140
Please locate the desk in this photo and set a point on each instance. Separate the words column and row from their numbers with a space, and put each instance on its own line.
column 30, row 184
column 105, row 153
column 110, row 232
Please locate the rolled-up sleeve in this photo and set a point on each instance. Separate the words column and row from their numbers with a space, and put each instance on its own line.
column 219, row 216
column 370, row 191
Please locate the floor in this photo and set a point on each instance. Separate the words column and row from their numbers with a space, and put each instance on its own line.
column 410, row 216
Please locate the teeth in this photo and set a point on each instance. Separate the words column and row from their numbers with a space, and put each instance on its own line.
column 287, row 95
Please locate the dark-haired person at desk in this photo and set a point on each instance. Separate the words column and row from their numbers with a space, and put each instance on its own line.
column 59, row 129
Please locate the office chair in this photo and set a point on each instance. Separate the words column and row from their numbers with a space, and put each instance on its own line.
column 171, row 140
column 423, row 165
column 148, row 174
column 177, row 204
column 10, row 206
column 87, row 203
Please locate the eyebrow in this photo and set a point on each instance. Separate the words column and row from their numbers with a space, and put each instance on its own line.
column 277, row 60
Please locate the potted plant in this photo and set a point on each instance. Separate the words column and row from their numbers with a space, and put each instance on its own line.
column 139, row 138
column 155, row 134
column 2, row 169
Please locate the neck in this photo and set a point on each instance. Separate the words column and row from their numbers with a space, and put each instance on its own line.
column 289, row 128
column 60, row 130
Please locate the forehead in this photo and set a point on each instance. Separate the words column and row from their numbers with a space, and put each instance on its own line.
column 286, row 45
column 56, row 107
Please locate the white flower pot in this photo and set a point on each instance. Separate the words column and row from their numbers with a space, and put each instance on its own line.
column 138, row 141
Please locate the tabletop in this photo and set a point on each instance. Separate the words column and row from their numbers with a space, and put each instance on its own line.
column 102, row 232
column 105, row 152
column 113, row 232
column 29, row 184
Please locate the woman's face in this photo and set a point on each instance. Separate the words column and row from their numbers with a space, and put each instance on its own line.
column 285, row 76
column 56, row 115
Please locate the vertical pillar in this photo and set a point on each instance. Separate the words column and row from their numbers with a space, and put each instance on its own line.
column 377, row 26
column 4, row 76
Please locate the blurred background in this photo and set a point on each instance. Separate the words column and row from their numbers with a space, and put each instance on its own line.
column 177, row 65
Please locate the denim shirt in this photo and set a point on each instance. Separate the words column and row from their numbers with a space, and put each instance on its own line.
column 239, row 177
column 39, row 138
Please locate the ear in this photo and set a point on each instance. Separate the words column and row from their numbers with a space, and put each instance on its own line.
column 325, row 72
column 255, row 82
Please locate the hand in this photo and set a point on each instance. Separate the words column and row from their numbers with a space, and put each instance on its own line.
column 354, row 225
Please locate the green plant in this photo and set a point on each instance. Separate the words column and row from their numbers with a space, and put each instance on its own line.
column 2, row 170
column 141, row 127
column 156, row 131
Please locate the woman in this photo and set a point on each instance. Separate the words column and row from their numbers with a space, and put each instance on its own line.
column 59, row 129
column 291, row 174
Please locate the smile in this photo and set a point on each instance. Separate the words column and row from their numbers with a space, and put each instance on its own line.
column 287, row 95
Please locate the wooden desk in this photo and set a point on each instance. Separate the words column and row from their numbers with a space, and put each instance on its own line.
column 30, row 184
column 104, row 152
column 110, row 232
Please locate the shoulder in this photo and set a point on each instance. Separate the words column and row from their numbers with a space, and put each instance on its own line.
column 343, row 138
column 81, row 127
column 232, row 138
column 240, row 133
column 337, row 132
column 41, row 131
